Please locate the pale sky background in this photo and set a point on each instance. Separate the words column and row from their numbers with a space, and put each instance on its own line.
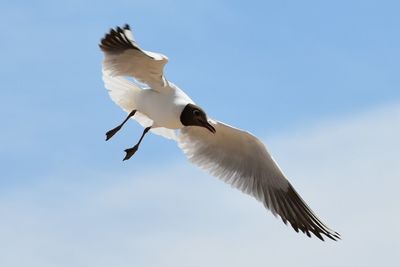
column 317, row 81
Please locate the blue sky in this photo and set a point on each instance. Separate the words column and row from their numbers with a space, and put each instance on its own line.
column 317, row 81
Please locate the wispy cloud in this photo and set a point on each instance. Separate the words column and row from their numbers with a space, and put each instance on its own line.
column 347, row 169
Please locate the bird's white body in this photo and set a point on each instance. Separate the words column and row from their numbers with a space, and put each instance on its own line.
column 165, row 107
column 235, row 156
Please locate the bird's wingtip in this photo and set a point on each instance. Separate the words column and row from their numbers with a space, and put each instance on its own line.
column 117, row 40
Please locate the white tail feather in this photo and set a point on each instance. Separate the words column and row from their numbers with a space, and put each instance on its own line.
column 125, row 93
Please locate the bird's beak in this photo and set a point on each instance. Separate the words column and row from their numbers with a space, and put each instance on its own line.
column 209, row 127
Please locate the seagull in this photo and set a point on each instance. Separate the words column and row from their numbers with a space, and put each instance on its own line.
column 135, row 81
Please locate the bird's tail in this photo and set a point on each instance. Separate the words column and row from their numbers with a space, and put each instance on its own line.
column 123, row 92
column 126, row 95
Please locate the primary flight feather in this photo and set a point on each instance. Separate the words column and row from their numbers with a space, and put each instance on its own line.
column 235, row 156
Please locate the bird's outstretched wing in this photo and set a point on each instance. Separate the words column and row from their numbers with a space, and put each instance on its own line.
column 240, row 159
column 123, row 57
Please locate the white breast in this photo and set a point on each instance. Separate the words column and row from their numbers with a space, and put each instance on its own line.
column 164, row 108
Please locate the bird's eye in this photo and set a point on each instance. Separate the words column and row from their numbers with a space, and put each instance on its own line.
column 196, row 112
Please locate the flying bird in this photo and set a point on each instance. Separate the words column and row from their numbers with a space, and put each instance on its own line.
column 135, row 81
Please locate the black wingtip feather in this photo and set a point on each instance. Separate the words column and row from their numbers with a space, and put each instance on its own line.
column 115, row 41
column 293, row 211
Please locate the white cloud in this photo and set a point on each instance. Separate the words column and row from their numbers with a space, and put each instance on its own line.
column 347, row 169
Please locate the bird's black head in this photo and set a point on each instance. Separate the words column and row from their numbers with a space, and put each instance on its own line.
column 193, row 115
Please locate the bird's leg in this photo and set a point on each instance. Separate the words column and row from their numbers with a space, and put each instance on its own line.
column 132, row 150
column 110, row 133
